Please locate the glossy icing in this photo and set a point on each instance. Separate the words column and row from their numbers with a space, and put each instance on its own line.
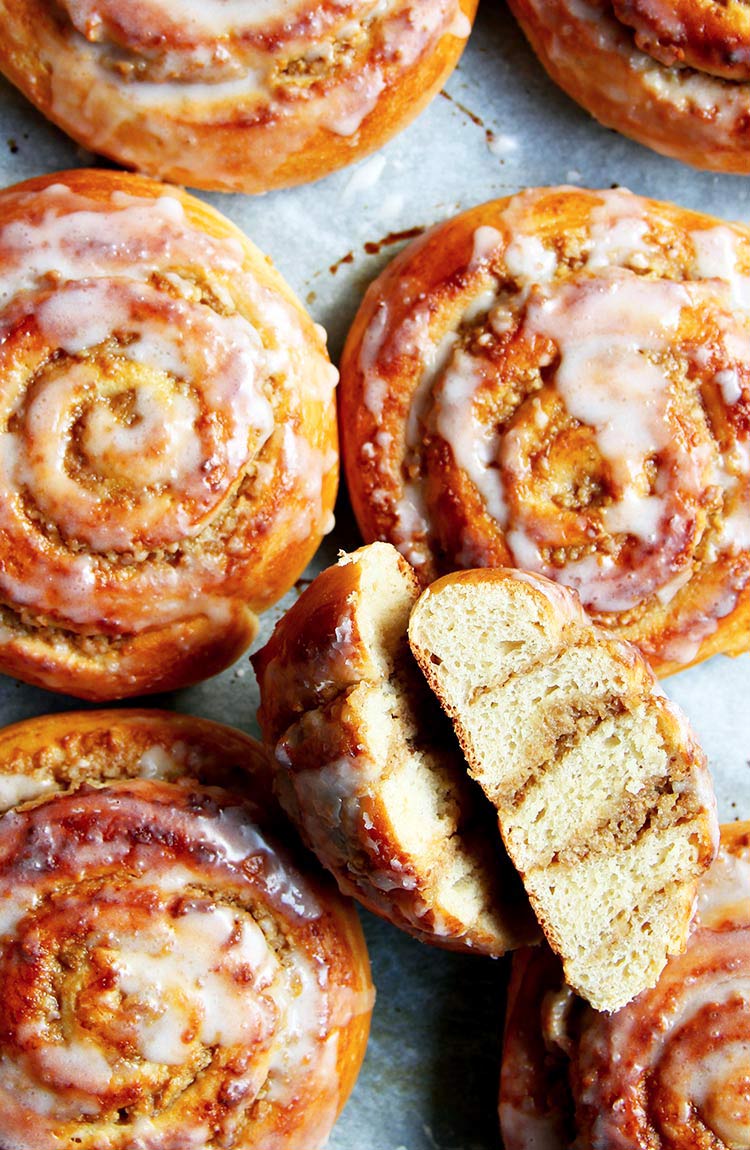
column 593, row 403
column 149, row 398
column 162, row 894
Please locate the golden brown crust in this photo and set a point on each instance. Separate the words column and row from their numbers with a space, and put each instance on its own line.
column 667, row 1071
column 673, row 76
column 146, row 871
column 367, row 768
column 65, row 751
column 697, row 34
column 470, row 441
column 168, row 441
column 230, row 101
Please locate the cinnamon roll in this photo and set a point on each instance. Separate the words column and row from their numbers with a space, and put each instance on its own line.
column 670, row 1071
column 172, row 975
column 674, row 76
column 168, row 453
column 602, row 793
column 558, row 381
column 367, row 768
column 233, row 96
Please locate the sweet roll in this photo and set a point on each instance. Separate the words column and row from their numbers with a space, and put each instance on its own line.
column 168, row 451
column 368, row 768
column 558, row 382
column 172, row 974
column 229, row 94
column 603, row 796
column 674, row 76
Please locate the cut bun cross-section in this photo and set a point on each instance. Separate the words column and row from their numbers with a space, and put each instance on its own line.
column 368, row 768
column 603, row 796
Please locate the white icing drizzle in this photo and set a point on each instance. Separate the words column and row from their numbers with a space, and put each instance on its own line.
column 355, row 104
column 486, row 241
column 21, row 788
column 605, row 331
column 213, row 18
column 375, row 386
column 474, row 442
column 617, row 233
column 157, row 762
column 528, row 259
column 195, row 385
column 716, row 257
column 185, row 980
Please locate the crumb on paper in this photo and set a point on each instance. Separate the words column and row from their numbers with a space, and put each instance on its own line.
column 364, row 176
column 501, row 144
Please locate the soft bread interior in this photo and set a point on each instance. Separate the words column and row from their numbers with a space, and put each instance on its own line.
column 387, row 592
column 600, row 791
column 436, row 813
column 379, row 786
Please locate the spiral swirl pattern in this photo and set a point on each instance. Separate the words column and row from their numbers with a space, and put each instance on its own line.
column 673, row 74
column 558, row 382
column 167, row 436
column 669, row 1071
column 240, row 96
column 171, row 978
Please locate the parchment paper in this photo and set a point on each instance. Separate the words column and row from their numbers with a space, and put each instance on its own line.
column 430, row 1076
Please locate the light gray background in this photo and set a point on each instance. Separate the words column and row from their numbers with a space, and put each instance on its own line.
column 430, row 1077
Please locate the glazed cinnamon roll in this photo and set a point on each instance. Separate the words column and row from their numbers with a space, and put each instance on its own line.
column 559, row 382
column 367, row 768
column 674, row 76
column 168, row 457
column 172, row 975
column 235, row 96
column 669, row 1071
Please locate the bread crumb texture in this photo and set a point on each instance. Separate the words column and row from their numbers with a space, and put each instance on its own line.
column 603, row 796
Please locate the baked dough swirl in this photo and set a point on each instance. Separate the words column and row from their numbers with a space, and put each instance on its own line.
column 670, row 1071
column 559, row 382
column 232, row 95
column 672, row 74
column 168, row 457
column 171, row 976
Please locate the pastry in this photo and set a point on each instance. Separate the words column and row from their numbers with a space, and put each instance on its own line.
column 670, row 1071
column 558, row 382
column 603, row 797
column 172, row 975
column 168, row 453
column 368, row 768
column 675, row 77
column 232, row 96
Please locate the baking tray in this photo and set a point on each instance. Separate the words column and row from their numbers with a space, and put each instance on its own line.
column 429, row 1081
